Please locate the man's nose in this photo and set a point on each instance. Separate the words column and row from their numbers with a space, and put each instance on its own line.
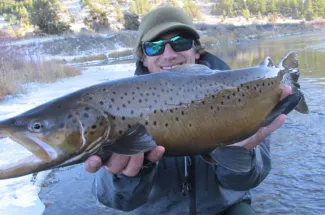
column 169, row 52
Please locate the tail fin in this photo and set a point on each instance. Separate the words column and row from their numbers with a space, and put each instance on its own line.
column 290, row 64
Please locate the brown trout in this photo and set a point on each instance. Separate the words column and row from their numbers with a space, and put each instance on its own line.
column 192, row 111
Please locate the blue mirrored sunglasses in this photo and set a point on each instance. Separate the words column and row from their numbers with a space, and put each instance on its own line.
column 178, row 44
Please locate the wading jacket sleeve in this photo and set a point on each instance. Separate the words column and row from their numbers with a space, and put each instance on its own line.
column 157, row 189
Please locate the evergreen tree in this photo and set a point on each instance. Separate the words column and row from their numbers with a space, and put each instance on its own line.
column 45, row 16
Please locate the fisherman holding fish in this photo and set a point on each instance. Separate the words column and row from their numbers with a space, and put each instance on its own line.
column 151, row 183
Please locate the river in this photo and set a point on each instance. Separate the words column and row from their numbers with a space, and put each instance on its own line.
column 295, row 184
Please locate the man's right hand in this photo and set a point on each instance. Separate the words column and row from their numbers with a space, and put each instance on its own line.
column 127, row 165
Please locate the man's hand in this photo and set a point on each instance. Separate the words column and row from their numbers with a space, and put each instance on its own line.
column 126, row 165
column 262, row 133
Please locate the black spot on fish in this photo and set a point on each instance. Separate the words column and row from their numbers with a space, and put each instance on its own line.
column 114, row 92
column 161, row 110
column 86, row 115
column 90, row 98
column 233, row 94
column 153, row 94
column 260, row 91
column 247, row 87
column 125, row 94
column 147, row 94
column 77, row 113
column 69, row 116
column 133, row 93
column 123, row 117
column 190, row 125
column 93, row 127
column 129, row 102
column 213, row 96
column 155, row 111
column 228, row 97
column 222, row 102
column 140, row 100
column 124, row 105
column 110, row 106
column 146, row 123
column 122, row 97
column 254, row 88
column 104, row 89
column 132, row 112
column 243, row 95
column 239, row 100
column 101, row 123
column 203, row 102
column 129, row 126
column 118, row 109
column 141, row 114
column 154, row 123
column 86, row 108
column 141, row 94
column 166, row 124
column 211, row 107
column 238, row 89
column 101, row 102
column 176, row 118
column 263, row 84
column 113, row 117
column 182, row 112
column 59, row 106
column 138, row 88
column 120, row 131
column 112, row 99
column 145, row 99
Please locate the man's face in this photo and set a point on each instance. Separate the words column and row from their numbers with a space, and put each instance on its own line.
column 169, row 58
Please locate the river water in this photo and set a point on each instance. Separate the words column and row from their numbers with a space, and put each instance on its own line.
column 296, row 183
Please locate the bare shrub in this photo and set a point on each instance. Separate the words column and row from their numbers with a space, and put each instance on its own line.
column 15, row 71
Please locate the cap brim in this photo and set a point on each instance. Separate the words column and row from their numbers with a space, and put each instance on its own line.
column 167, row 27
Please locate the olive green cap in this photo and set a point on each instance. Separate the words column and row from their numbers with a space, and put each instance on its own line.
column 164, row 19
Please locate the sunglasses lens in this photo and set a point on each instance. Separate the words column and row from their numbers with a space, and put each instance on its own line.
column 178, row 44
column 154, row 48
column 181, row 44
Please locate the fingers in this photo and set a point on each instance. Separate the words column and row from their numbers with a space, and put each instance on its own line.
column 131, row 165
column 134, row 166
column 93, row 164
column 262, row 133
column 117, row 163
column 285, row 92
column 155, row 154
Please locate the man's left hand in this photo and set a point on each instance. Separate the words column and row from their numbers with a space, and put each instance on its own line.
column 263, row 132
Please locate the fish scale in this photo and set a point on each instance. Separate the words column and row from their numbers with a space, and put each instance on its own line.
column 191, row 110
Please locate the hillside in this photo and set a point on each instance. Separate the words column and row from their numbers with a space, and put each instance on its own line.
column 107, row 15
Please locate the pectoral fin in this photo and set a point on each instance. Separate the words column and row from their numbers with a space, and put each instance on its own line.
column 136, row 140
column 234, row 158
column 284, row 107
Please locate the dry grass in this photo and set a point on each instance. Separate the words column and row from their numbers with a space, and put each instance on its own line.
column 89, row 58
column 119, row 54
column 15, row 71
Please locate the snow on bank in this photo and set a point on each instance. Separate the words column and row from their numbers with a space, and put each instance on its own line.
column 19, row 196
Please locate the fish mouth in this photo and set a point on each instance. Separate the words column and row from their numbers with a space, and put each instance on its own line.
column 44, row 156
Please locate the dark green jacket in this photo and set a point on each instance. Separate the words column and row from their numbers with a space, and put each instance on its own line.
column 158, row 189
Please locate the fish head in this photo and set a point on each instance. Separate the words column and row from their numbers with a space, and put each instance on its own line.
column 58, row 133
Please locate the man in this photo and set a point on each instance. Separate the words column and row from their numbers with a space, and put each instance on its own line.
column 178, row 185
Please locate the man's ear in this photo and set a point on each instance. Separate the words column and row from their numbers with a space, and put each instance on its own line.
column 145, row 61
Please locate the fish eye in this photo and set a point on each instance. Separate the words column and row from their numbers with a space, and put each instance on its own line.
column 36, row 126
